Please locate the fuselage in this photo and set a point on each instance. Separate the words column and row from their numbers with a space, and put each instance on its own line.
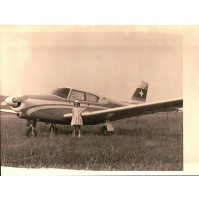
column 52, row 108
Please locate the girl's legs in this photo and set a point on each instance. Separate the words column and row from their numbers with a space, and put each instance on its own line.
column 74, row 131
column 79, row 131
column 76, row 128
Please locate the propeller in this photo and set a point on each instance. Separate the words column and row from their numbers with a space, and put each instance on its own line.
column 3, row 103
column 14, row 101
column 20, row 98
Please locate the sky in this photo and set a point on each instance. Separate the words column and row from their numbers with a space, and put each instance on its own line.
column 105, row 60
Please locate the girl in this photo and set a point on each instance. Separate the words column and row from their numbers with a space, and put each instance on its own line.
column 77, row 118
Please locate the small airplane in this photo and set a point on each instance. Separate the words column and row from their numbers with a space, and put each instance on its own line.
column 56, row 108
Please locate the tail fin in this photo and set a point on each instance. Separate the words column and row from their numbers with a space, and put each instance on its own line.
column 140, row 93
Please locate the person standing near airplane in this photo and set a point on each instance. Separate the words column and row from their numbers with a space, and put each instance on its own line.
column 77, row 121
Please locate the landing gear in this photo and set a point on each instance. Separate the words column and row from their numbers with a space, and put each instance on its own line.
column 103, row 130
column 31, row 132
column 53, row 130
column 107, row 128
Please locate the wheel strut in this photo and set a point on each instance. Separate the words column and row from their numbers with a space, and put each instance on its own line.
column 31, row 131
column 53, row 130
column 107, row 128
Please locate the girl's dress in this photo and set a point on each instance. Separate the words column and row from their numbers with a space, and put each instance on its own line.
column 77, row 116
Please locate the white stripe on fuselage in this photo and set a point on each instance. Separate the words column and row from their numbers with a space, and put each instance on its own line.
column 38, row 108
column 46, row 104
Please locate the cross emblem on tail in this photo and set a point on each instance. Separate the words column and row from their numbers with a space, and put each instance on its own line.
column 141, row 93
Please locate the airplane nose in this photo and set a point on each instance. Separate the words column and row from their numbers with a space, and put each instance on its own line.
column 15, row 101
column 11, row 101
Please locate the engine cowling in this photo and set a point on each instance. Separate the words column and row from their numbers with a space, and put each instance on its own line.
column 15, row 101
column 11, row 101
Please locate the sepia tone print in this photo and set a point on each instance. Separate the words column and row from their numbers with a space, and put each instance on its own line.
column 118, row 88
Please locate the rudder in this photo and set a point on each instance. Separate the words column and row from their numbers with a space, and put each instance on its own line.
column 140, row 93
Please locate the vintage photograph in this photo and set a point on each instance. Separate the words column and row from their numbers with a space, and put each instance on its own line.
column 92, row 98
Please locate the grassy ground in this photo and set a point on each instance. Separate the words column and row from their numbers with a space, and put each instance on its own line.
column 151, row 142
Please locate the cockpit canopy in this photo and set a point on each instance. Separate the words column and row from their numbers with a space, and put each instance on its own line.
column 61, row 92
column 74, row 94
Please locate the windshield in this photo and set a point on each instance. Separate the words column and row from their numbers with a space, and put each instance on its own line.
column 62, row 92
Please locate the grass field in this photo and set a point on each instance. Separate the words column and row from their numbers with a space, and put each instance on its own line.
column 150, row 142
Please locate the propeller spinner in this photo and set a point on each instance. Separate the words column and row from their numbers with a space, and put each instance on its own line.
column 14, row 101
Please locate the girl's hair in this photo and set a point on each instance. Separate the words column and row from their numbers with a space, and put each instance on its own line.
column 77, row 103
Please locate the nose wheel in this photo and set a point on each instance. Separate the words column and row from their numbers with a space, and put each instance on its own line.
column 31, row 131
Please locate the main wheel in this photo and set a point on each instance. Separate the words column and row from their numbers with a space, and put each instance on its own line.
column 53, row 130
column 31, row 132
column 56, row 130
column 103, row 131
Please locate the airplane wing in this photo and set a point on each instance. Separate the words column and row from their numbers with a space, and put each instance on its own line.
column 132, row 110
column 8, row 111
